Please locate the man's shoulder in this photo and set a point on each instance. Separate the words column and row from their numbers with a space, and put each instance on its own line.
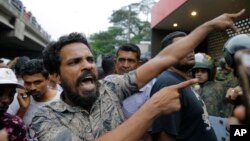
column 112, row 78
column 119, row 78
column 168, row 78
column 115, row 80
column 13, row 120
column 112, row 81
column 214, row 85
column 11, row 117
column 49, row 109
column 165, row 79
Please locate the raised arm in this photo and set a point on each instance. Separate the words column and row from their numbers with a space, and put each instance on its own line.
column 178, row 50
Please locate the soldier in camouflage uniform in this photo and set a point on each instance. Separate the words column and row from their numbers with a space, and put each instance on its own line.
column 226, row 76
column 212, row 92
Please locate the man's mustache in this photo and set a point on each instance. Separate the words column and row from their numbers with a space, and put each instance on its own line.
column 84, row 75
column 33, row 92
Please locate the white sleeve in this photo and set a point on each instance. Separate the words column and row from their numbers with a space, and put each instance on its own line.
column 14, row 106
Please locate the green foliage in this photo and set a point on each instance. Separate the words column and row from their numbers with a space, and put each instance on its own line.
column 121, row 17
column 142, row 32
column 127, row 27
column 135, row 30
column 104, row 42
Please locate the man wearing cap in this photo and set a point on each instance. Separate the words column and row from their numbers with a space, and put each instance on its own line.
column 12, row 124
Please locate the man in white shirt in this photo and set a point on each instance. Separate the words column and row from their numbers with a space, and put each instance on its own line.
column 38, row 94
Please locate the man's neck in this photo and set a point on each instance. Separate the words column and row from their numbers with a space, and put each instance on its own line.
column 66, row 99
column 70, row 103
column 180, row 72
column 49, row 95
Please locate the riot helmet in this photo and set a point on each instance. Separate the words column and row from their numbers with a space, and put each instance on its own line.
column 204, row 61
column 238, row 42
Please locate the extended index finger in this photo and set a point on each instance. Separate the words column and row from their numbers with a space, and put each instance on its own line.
column 185, row 83
column 236, row 15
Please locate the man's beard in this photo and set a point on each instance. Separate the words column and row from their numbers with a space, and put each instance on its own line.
column 87, row 100
column 36, row 94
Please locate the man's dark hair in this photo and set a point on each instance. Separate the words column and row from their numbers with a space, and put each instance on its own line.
column 108, row 64
column 167, row 40
column 130, row 47
column 19, row 64
column 34, row 66
column 51, row 56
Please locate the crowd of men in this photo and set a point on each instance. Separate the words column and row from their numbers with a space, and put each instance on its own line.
column 60, row 96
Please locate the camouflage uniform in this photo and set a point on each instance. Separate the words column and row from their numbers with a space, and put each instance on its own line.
column 227, row 79
column 59, row 121
column 213, row 94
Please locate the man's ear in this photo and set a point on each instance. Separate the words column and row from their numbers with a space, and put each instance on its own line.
column 140, row 63
column 58, row 78
column 115, row 63
column 114, row 60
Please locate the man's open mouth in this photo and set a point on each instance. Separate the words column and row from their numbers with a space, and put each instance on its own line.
column 87, row 83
